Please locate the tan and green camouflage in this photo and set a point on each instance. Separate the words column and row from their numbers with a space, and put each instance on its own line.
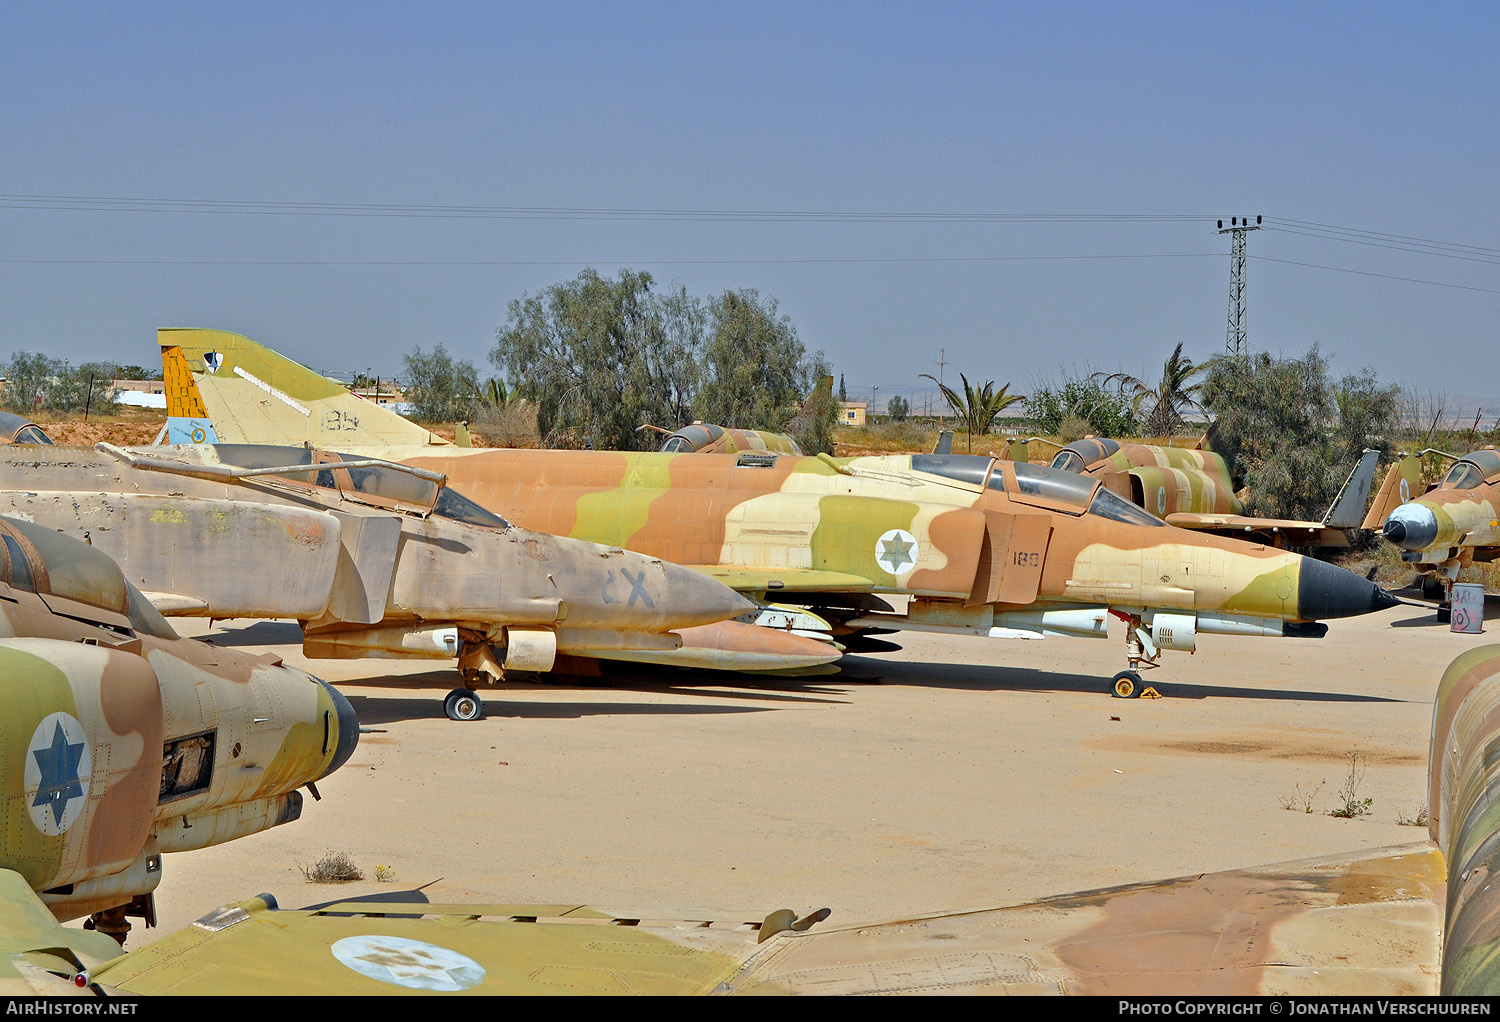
column 120, row 741
column 982, row 546
column 707, row 438
column 373, row 559
column 1454, row 524
column 1191, row 489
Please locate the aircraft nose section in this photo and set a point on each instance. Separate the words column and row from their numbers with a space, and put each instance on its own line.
column 695, row 599
column 1327, row 591
column 1412, row 527
column 343, row 729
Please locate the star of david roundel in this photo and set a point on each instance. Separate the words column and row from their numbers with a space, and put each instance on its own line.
column 408, row 963
column 896, row 551
column 57, row 773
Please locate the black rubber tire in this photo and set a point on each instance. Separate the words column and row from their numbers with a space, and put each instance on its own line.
column 1445, row 613
column 1125, row 685
column 463, row 704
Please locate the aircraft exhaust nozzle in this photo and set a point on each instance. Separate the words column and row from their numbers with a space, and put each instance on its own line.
column 343, row 730
column 1327, row 591
column 1412, row 526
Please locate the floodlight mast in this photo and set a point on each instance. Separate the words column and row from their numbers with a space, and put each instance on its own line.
column 1235, row 342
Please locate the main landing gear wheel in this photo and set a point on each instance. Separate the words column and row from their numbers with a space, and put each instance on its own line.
column 1126, row 685
column 463, row 704
column 1445, row 612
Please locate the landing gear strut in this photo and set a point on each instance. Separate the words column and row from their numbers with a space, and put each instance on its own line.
column 1140, row 652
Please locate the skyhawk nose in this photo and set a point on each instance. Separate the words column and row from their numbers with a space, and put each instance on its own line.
column 1412, row 526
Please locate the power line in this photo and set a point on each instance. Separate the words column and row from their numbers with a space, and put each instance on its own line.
column 591, row 262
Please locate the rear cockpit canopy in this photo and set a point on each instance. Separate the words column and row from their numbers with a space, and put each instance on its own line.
column 1080, row 454
column 1473, row 470
column 16, row 430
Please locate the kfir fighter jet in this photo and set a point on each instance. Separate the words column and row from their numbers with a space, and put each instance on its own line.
column 1191, row 488
column 974, row 545
column 1452, row 525
column 120, row 741
column 379, row 560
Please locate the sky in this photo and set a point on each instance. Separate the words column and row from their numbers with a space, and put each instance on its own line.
column 1070, row 162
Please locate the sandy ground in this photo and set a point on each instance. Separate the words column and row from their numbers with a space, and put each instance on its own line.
column 959, row 773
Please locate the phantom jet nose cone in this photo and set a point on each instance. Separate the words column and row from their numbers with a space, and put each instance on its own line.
column 343, row 732
column 696, row 599
column 1412, row 527
column 1326, row 591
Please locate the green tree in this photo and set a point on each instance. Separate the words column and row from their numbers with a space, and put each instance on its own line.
column 35, row 383
column 1173, row 393
column 755, row 369
column 1105, row 409
column 898, row 408
column 441, row 389
column 977, row 407
column 601, row 356
column 1290, row 432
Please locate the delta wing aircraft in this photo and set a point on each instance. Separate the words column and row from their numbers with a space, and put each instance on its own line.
column 1454, row 524
column 1416, row 919
column 120, row 741
column 377, row 560
column 1191, row 489
column 973, row 545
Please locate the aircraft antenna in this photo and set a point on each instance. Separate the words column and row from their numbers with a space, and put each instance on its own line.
column 1235, row 342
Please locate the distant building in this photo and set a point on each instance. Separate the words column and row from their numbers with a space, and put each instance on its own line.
column 852, row 413
column 385, row 394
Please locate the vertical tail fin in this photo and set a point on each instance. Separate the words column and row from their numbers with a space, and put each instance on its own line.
column 1402, row 482
column 238, row 391
column 1345, row 510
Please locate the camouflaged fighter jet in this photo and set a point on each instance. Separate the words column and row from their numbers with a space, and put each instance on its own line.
column 378, row 560
column 120, row 741
column 1191, row 489
column 707, row 438
column 1452, row 525
column 980, row 546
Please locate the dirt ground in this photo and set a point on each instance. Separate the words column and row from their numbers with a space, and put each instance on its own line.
column 958, row 773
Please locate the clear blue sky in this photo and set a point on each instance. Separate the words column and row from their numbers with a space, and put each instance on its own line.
column 1376, row 117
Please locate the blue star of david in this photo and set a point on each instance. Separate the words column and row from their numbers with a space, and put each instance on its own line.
column 895, row 553
column 60, row 778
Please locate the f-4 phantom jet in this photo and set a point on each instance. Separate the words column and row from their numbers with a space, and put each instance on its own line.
column 971, row 544
column 377, row 559
column 120, row 741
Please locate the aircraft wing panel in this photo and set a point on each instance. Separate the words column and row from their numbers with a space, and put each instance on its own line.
column 395, row 947
column 36, row 950
column 792, row 580
column 1302, row 533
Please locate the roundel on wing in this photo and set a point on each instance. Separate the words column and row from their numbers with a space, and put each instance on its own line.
column 1405, row 490
column 1161, row 500
column 59, row 767
column 408, row 963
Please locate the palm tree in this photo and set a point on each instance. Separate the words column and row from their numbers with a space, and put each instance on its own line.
column 977, row 407
column 1171, row 396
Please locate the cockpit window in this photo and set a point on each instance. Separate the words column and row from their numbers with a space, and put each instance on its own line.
column 1068, row 461
column 454, row 505
column 1464, row 476
column 1112, row 505
column 1054, row 486
column 74, row 569
column 964, row 468
column 33, row 435
column 20, row 570
column 676, row 445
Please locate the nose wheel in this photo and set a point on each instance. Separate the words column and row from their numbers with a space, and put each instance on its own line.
column 1126, row 685
column 463, row 704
